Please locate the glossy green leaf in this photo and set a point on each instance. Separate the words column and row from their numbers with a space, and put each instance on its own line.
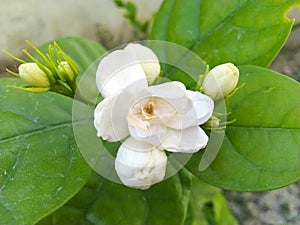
column 178, row 63
column 40, row 165
column 105, row 202
column 242, row 32
column 261, row 150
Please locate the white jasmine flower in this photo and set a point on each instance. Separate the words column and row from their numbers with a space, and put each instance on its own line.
column 220, row 81
column 152, row 118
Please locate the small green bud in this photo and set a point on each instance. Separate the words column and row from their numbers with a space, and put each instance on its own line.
column 33, row 75
column 220, row 81
column 213, row 122
column 65, row 72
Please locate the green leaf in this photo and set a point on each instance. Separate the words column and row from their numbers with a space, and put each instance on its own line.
column 242, row 32
column 178, row 63
column 221, row 211
column 208, row 206
column 261, row 150
column 105, row 202
column 40, row 164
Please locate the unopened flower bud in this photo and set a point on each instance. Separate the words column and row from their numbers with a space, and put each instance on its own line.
column 213, row 122
column 220, row 81
column 65, row 72
column 33, row 75
column 138, row 165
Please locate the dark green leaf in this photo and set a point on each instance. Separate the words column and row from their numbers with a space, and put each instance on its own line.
column 178, row 63
column 105, row 202
column 242, row 32
column 261, row 150
column 40, row 164
column 208, row 206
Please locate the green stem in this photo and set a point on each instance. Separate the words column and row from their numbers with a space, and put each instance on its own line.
column 62, row 89
column 80, row 98
column 70, row 90
column 11, row 72
column 13, row 57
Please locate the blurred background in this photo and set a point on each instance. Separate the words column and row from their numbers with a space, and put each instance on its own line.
column 42, row 21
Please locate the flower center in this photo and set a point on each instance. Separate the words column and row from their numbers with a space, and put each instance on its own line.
column 149, row 108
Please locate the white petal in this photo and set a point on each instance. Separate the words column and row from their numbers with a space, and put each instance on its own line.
column 174, row 103
column 188, row 140
column 168, row 90
column 181, row 108
column 104, row 122
column 139, row 165
column 118, row 70
column 203, row 106
column 152, row 134
column 110, row 115
column 198, row 108
column 164, row 110
column 147, row 58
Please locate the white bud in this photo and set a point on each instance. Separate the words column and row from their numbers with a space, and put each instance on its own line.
column 138, row 165
column 220, row 81
column 147, row 59
column 33, row 75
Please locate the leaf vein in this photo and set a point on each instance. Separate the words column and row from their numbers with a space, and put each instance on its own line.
column 43, row 129
column 209, row 33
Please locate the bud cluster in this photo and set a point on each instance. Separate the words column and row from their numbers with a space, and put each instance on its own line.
column 54, row 71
